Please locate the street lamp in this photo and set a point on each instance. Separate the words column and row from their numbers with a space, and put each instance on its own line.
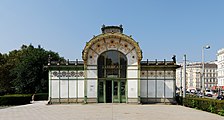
column 203, row 68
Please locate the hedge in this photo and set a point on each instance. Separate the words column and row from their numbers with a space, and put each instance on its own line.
column 41, row 96
column 21, row 99
column 205, row 104
column 15, row 99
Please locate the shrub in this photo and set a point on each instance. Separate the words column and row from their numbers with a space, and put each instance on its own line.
column 15, row 99
column 41, row 96
column 205, row 104
column 221, row 112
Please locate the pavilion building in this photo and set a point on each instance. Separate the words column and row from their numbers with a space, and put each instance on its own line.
column 112, row 71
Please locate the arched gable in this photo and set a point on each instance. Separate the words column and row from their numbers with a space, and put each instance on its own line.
column 111, row 41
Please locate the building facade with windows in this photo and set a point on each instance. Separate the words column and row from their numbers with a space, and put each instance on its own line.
column 220, row 63
column 112, row 71
column 194, row 76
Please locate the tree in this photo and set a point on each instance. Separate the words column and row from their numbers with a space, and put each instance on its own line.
column 29, row 74
column 21, row 71
column 2, row 76
column 7, row 62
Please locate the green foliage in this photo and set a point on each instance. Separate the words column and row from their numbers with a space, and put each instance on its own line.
column 193, row 103
column 15, row 99
column 221, row 112
column 21, row 71
column 41, row 96
column 205, row 104
column 5, row 78
column 21, row 99
column 211, row 108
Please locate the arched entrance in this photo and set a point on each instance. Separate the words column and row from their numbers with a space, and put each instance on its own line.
column 112, row 68
column 103, row 71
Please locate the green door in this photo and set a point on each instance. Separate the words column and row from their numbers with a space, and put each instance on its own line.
column 119, row 91
column 112, row 91
column 112, row 70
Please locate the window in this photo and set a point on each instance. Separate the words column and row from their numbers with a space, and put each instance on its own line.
column 112, row 64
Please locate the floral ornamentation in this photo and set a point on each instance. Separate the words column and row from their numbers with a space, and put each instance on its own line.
column 68, row 74
column 143, row 73
column 55, row 73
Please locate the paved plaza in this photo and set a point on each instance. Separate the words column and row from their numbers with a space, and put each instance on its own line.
column 40, row 111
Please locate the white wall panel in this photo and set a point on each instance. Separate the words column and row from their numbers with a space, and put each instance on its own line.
column 133, row 88
column 160, row 88
column 132, row 73
column 169, row 85
column 92, row 73
column 55, row 89
column 151, row 88
column 92, row 88
column 143, row 88
column 81, row 88
column 72, row 88
column 64, row 88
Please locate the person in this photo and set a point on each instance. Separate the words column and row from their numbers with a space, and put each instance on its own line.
column 33, row 96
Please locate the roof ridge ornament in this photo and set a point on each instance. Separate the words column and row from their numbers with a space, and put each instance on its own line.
column 112, row 29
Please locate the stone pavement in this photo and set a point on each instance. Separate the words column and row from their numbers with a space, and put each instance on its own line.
column 40, row 111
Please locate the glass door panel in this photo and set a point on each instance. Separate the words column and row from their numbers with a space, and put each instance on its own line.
column 101, row 91
column 115, row 92
column 109, row 91
column 123, row 91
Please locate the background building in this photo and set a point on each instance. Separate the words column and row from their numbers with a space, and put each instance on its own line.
column 194, row 76
column 220, row 63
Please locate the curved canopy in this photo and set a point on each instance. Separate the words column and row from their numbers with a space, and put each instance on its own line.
column 120, row 36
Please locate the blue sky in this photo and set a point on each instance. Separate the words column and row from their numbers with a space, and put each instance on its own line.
column 162, row 27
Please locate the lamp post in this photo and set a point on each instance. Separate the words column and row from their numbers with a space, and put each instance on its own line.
column 181, row 81
column 184, row 85
column 203, row 68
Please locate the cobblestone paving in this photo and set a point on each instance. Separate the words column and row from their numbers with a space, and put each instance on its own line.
column 41, row 111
